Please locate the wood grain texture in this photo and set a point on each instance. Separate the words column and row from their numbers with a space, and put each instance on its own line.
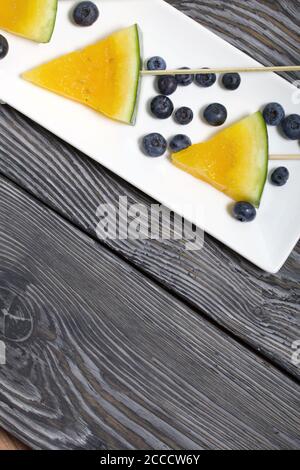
column 268, row 30
column 259, row 309
column 262, row 310
column 99, row 356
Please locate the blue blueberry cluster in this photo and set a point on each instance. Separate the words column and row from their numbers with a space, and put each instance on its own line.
column 274, row 115
column 155, row 145
column 215, row 114
column 162, row 107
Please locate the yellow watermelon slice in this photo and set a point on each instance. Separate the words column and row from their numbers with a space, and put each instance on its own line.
column 104, row 76
column 32, row 19
column 234, row 161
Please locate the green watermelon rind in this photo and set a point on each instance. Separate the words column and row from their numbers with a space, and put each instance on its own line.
column 136, row 92
column 265, row 143
column 50, row 20
column 40, row 31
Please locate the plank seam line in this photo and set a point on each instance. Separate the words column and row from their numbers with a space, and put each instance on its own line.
column 153, row 279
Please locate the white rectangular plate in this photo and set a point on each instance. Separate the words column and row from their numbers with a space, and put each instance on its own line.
column 268, row 240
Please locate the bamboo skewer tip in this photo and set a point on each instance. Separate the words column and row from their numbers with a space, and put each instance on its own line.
column 285, row 157
column 277, row 68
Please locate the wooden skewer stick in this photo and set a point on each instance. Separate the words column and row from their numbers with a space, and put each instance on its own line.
column 278, row 68
column 285, row 157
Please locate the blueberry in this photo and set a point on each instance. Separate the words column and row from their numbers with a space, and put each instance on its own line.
column 231, row 81
column 244, row 211
column 156, row 63
column 184, row 115
column 180, row 142
column 3, row 47
column 280, row 176
column 162, row 107
column 166, row 84
column 206, row 79
column 291, row 126
column 85, row 13
column 184, row 79
column 215, row 114
column 273, row 114
column 154, row 145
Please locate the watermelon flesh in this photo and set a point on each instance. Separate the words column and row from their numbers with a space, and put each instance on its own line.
column 32, row 19
column 234, row 161
column 104, row 76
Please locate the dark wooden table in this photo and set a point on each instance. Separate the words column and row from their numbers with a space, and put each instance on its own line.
column 140, row 344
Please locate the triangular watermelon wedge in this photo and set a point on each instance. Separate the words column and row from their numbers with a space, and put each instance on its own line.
column 32, row 19
column 234, row 161
column 104, row 76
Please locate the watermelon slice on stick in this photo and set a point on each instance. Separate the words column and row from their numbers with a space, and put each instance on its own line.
column 234, row 161
column 104, row 76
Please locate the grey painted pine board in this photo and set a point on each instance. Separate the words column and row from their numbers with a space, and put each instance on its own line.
column 263, row 310
column 267, row 30
column 99, row 356
column 260, row 309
